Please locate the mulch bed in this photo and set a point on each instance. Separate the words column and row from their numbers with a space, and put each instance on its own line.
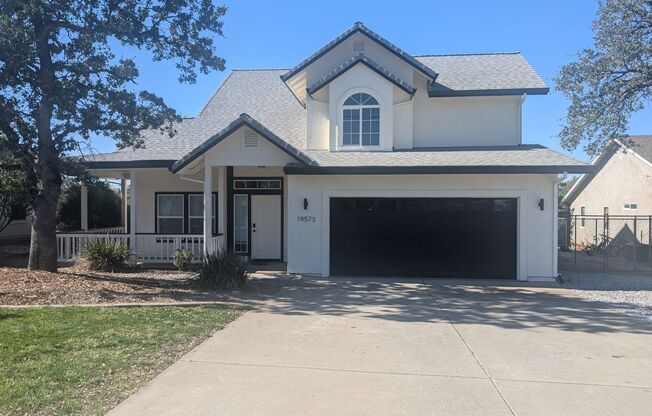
column 73, row 285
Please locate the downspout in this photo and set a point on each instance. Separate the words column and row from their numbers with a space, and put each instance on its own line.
column 555, row 223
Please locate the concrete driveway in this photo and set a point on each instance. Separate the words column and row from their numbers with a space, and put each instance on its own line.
column 361, row 347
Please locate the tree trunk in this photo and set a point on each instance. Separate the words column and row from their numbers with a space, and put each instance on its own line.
column 43, row 250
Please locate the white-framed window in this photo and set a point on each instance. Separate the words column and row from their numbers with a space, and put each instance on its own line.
column 196, row 214
column 170, row 213
column 241, row 223
column 360, row 120
column 631, row 206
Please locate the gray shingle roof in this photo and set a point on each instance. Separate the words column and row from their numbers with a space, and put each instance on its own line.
column 353, row 61
column 482, row 72
column 259, row 93
column 641, row 144
column 519, row 155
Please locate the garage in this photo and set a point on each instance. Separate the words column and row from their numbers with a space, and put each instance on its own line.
column 423, row 237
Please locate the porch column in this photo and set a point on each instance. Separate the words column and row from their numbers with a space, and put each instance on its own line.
column 208, row 200
column 123, row 204
column 132, row 211
column 221, row 203
column 84, row 207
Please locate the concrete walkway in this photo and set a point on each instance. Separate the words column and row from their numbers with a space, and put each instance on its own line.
column 359, row 347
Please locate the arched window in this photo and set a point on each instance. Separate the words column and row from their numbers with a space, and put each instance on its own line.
column 361, row 121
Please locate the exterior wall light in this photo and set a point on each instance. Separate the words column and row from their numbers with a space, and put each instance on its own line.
column 541, row 204
column 305, row 203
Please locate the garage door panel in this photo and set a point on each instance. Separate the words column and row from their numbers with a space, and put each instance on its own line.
column 461, row 237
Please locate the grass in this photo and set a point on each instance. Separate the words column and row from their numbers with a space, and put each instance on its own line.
column 63, row 361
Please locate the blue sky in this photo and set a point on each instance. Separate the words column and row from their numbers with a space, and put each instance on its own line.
column 262, row 34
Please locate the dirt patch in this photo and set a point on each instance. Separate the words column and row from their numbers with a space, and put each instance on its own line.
column 74, row 286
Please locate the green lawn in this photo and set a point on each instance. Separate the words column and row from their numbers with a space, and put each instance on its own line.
column 77, row 360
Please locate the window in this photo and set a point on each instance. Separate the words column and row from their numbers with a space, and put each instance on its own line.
column 170, row 214
column 631, row 206
column 582, row 213
column 360, row 121
column 241, row 223
column 196, row 214
column 256, row 184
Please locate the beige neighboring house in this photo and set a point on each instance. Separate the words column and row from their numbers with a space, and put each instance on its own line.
column 621, row 183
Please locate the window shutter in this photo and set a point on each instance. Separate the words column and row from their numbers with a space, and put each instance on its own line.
column 250, row 139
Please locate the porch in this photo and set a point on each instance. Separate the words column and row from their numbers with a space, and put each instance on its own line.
column 204, row 209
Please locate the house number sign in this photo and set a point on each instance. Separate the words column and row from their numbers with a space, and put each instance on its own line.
column 306, row 218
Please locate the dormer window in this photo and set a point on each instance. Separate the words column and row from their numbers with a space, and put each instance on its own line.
column 361, row 121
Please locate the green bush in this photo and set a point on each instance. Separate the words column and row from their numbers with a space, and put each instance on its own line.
column 105, row 255
column 182, row 258
column 103, row 206
column 224, row 270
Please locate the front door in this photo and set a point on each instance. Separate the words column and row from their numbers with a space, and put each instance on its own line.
column 265, row 227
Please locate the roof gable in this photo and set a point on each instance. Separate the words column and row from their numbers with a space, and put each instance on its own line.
column 358, row 27
column 243, row 120
column 364, row 60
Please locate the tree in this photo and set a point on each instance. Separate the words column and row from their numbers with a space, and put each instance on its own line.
column 103, row 206
column 62, row 79
column 612, row 80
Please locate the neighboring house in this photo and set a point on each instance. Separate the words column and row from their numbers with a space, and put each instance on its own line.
column 19, row 228
column 360, row 160
column 621, row 183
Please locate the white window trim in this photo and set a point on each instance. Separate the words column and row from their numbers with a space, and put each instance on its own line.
column 201, row 195
column 340, row 117
column 235, row 196
column 159, row 217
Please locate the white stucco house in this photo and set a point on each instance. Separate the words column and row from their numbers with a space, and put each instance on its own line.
column 621, row 183
column 359, row 160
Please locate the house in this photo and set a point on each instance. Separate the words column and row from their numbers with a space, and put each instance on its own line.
column 621, row 183
column 360, row 160
column 17, row 229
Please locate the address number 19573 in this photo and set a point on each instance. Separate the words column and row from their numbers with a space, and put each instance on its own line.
column 306, row 218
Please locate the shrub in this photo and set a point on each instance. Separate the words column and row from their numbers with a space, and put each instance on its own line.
column 105, row 255
column 224, row 270
column 182, row 258
column 103, row 206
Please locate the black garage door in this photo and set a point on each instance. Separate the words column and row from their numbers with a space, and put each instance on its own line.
column 428, row 237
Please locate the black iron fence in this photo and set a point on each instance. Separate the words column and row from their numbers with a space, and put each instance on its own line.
column 605, row 243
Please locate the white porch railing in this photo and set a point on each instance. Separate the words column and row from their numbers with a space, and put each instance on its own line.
column 149, row 248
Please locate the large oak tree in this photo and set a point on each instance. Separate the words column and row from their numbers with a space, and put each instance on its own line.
column 610, row 81
column 63, row 79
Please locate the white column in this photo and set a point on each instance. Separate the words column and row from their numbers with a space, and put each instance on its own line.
column 208, row 199
column 84, row 207
column 221, row 203
column 123, row 203
column 132, row 211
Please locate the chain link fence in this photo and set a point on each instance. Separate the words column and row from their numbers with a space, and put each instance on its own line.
column 614, row 243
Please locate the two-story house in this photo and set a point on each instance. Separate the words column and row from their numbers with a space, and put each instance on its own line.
column 360, row 160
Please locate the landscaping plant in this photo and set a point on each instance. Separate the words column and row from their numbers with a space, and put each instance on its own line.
column 224, row 270
column 182, row 258
column 105, row 255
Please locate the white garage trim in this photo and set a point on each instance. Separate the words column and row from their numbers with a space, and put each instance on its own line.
column 520, row 195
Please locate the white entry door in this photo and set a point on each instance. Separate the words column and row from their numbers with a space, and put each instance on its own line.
column 265, row 227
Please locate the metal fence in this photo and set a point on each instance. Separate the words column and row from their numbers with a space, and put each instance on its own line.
column 605, row 243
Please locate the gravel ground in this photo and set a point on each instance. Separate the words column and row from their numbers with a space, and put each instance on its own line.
column 629, row 294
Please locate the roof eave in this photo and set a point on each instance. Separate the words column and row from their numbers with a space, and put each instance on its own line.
column 488, row 92
column 420, row 170
column 128, row 164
